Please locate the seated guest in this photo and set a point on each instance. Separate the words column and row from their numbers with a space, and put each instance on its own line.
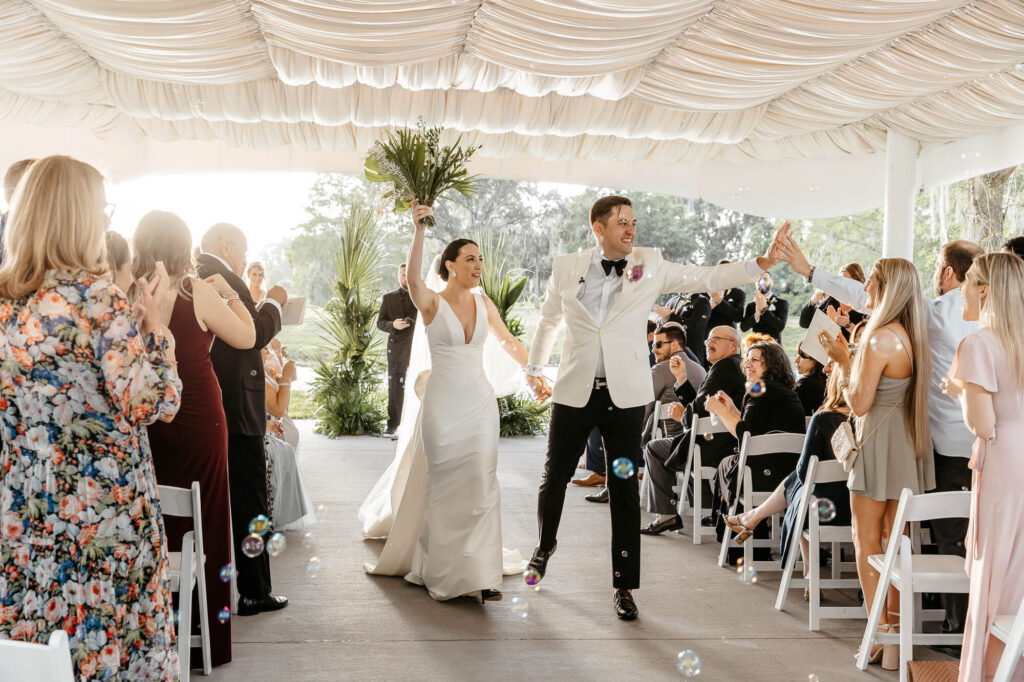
column 669, row 342
column 288, row 500
column 810, row 387
column 651, row 326
column 193, row 447
column 82, row 544
column 727, row 307
column 1015, row 245
column 665, row 456
column 767, row 313
column 843, row 315
column 279, row 375
column 787, row 495
column 776, row 409
column 256, row 274
column 119, row 261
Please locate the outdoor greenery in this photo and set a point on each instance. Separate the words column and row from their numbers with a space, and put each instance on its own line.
column 347, row 388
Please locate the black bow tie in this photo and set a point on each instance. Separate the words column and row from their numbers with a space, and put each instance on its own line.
column 619, row 266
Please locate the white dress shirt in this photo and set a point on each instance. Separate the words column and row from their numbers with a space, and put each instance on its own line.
column 946, row 329
column 598, row 294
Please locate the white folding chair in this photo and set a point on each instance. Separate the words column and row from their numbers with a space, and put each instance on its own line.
column 817, row 535
column 913, row 574
column 186, row 573
column 752, row 448
column 1010, row 630
column 50, row 662
column 693, row 468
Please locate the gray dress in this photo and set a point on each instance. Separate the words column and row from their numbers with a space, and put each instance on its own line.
column 886, row 464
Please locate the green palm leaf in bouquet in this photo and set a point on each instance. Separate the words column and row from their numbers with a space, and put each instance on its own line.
column 414, row 164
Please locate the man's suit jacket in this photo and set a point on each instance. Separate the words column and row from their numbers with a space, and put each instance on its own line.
column 724, row 375
column 240, row 372
column 395, row 305
column 622, row 337
column 730, row 310
column 773, row 319
column 663, row 382
column 693, row 312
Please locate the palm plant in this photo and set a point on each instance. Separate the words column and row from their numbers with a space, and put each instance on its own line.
column 346, row 389
column 519, row 415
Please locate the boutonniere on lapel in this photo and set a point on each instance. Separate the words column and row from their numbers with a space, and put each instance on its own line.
column 635, row 271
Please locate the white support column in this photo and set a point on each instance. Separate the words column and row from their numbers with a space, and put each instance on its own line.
column 900, row 190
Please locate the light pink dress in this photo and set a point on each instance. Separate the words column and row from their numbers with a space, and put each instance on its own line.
column 995, row 545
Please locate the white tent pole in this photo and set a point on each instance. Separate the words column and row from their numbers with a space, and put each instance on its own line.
column 900, row 188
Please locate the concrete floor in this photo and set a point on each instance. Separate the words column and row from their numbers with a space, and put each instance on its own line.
column 346, row 625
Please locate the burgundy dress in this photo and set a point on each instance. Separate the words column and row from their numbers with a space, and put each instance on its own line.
column 194, row 447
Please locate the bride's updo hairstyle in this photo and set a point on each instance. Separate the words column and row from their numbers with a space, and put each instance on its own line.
column 451, row 253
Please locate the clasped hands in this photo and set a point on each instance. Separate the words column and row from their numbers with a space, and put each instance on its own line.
column 540, row 387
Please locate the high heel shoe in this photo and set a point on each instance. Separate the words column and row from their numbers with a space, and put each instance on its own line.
column 742, row 532
column 878, row 650
column 891, row 652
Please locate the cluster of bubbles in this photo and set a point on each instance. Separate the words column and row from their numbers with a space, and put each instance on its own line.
column 623, row 467
column 688, row 663
column 748, row 575
column 520, row 607
column 756, row 389
column 826, row 510
column 532, row 578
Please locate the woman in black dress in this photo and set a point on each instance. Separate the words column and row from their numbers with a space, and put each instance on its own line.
column 810, row 387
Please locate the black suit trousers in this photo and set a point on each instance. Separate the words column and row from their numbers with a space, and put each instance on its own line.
column 621, row 430
column 396, row 393
column 247, row 480
column 952, row 473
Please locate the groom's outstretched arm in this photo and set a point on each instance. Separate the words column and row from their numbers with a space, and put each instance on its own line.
column 547, row 328
column 699, row 278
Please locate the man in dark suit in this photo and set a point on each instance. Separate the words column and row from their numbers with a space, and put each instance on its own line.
column 767, row 313
column 240, row 375
column 664, row 457
column 727, row 307
column 397, row 318
column 11, row 178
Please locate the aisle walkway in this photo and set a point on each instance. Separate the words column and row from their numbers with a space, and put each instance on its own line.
column 345, row 625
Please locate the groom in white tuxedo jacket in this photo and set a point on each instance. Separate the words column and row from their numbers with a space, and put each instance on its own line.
column 605, row 295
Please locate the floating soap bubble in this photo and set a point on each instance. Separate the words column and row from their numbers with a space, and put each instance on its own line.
column 252, row 546
column 532, row 578
column 321, row 512
column 520, row 607
column 826, row 510
column 276, row 544
column 313, row 567
column 708, row 436
column 307, row 540
column 227, row 572
column 764, row 281
column 739, row 562
column 688, row 663
column 748, row 575
column 756, row 389
column 224, row 615
column 885, row 343
column 812, row 678
column 259, row 525
column 623, row 467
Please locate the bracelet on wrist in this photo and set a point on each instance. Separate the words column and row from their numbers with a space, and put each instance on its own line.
column 810, row 275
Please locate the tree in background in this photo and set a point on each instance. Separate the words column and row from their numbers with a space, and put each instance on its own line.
column 347, row 389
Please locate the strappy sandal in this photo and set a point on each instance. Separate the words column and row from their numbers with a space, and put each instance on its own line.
column 742, row 532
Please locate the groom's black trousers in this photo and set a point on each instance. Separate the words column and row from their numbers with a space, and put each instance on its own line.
column 621, row 429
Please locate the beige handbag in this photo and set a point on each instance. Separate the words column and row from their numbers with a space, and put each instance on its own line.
column 844, row 441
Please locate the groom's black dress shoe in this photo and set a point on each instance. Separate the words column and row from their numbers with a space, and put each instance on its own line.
column 247, row 606
column 659, row 527
column 625, row 607
column 539, row 561
column 600, row 496
column 490, row 595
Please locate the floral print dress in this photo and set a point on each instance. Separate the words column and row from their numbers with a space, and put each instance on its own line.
column 82, row 544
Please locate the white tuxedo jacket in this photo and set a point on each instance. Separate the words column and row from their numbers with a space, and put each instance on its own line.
column 622, row 338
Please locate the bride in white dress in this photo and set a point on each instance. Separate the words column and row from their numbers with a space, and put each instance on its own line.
column 439, row 504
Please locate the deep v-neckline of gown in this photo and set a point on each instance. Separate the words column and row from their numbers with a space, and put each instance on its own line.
column 462, row 327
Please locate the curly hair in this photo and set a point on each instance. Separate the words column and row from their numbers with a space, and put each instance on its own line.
column 776, row 363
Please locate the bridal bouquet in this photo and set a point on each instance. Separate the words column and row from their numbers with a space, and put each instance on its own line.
column 414, row 165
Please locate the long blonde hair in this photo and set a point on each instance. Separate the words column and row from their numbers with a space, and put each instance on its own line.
column 163, row 236
column 1002, row 311
column 56, row 222
column 899, row 300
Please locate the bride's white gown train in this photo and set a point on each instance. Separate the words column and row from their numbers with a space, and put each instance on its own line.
column 440, row 494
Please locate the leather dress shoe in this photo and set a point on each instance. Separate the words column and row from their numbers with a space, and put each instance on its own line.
column 659, row 527
column 625, row 607
column 539, row 561
column 592, row 481
column 489, row 595
column 599, row 496
column 248, row 606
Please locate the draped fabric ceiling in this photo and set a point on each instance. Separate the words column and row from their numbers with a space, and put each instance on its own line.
column 660, row 90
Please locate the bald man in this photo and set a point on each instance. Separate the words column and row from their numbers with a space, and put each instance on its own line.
column 665, row 456
column 240, row 375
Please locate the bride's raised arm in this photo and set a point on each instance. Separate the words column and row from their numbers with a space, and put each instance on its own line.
column 423, row 297
column 510, row 343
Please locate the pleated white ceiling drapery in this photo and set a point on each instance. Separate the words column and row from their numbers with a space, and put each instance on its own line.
column 665, row 84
